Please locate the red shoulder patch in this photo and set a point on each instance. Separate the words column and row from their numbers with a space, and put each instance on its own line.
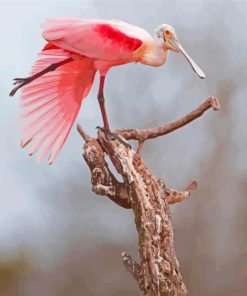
column 109, row 32
column 49, row 46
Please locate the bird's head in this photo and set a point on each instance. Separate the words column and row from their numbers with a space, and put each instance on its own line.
column 167, row 37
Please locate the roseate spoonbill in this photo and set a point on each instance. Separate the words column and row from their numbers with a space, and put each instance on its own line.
column 64, row 72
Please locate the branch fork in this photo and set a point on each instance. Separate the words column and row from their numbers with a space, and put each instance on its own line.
column 158, row 273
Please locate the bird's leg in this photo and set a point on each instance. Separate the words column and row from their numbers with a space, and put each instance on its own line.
column 101, row 100
column 23, row 81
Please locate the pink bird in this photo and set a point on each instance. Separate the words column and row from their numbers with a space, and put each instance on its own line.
column 64, row 73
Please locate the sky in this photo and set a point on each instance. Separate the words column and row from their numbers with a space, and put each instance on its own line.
column 47, row 209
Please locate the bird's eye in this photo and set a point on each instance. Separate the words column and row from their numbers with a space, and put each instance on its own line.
column 167, row 34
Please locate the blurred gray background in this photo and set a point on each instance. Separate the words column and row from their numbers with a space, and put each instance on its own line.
column 57, row 238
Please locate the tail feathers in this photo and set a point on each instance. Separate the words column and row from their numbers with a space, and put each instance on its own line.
column 50, row 104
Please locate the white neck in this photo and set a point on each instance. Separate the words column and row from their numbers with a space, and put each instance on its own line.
column 156, row 55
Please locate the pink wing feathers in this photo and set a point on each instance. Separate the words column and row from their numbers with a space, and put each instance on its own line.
column 50, row 104
column 97, row 39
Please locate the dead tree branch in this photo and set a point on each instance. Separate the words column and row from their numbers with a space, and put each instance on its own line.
column 174, row 196
column 158, row 273
column 142, row 135
column 133, row 268
column 103, row 181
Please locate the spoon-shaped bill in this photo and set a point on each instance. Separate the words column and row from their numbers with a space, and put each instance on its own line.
column 175, row 43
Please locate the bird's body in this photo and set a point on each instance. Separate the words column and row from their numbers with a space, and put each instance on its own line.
column 64, row 73
column 108, row 43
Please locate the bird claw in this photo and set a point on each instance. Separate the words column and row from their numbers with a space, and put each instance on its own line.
column 113, row 136
column 19, row 82
column 100, row 128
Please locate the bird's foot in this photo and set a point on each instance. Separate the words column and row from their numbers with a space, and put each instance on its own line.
column 114, row 136
column 19, row 82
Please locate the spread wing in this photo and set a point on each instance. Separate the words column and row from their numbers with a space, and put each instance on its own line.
column 50, row 104
column 98, row 39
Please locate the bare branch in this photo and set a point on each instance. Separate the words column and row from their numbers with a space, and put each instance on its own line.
column 103, row 181
column 133, row 268
column 140, row 146
column 191, row 187
column 174, row 196
column 151, row 133
column 84, row 135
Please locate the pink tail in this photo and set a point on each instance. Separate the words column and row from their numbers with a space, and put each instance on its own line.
column 50, row 104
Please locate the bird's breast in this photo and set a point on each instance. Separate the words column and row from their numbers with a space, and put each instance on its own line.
column 104, row 66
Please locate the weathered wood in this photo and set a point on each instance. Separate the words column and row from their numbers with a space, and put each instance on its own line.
column 158, row 273
column 103, row 181
column 142, row 135
column 160, row 270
